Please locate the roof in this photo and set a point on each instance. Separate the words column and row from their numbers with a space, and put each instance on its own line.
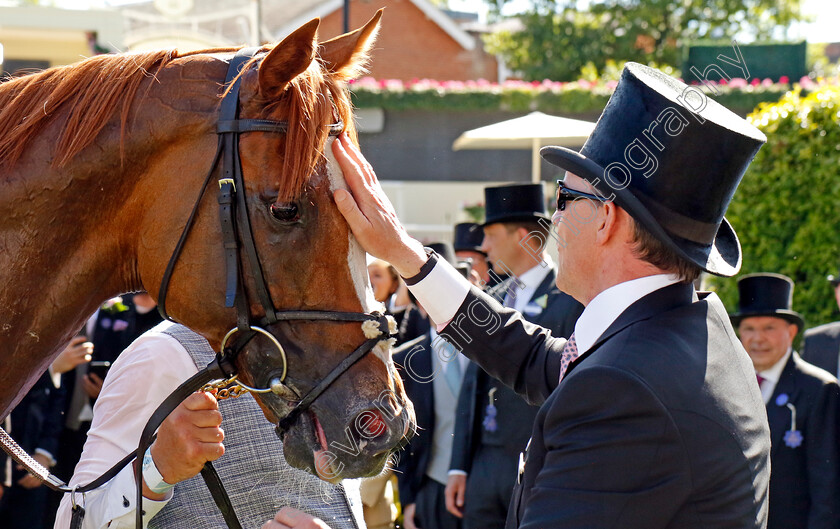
column 326, row 7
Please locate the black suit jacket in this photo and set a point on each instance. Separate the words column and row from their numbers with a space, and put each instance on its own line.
column 414, row 362
column 36, row 423
column 559, row 316
column 805, row 479
column 659, row 425
column 821, row 346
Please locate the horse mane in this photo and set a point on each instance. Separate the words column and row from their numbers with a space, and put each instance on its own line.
column 93, row 88
column 90, row 89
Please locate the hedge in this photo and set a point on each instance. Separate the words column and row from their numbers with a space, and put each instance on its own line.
column 578, row 97
column 786, row 209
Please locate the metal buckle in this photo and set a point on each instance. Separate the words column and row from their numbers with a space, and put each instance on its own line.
column 73, row 503
column 223, row 181
column 272, row 339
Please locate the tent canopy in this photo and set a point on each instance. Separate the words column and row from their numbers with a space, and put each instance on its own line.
column 527, row 132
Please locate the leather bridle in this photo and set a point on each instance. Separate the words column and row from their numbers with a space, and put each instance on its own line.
column 233, row 214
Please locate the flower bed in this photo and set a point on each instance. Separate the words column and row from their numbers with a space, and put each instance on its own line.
column 577, row 97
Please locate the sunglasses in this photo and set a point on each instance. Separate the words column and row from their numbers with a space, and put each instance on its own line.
column 564, row 195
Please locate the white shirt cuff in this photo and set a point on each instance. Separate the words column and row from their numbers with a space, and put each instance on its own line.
column 455, row 472
column 441, row 292
column 48, row 455
column 117, row 504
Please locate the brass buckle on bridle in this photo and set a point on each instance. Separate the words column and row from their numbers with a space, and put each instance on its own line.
column 233, row 387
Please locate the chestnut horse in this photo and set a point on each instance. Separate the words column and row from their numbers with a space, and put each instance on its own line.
column 101, row 163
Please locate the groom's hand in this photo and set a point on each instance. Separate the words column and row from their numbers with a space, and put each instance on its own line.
column 371, row 215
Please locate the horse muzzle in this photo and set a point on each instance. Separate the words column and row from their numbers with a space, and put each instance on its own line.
column 358, row 445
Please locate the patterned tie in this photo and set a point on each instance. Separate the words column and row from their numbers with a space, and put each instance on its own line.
column 569, row 355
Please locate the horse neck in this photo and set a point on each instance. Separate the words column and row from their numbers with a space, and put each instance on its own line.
column 71, row 235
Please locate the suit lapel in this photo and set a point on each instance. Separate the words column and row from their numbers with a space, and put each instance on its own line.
column 534, row 311
column 779, row 416
column 657, row 302
column 546, row 286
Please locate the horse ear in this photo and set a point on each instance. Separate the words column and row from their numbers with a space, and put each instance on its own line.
column 346, row 55
column 288, row 59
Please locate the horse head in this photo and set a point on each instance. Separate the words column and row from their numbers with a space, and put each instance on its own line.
column 310, row 263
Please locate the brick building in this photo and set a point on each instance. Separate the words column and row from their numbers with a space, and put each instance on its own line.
column 416, row 40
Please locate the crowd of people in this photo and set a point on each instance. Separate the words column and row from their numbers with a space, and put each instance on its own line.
column 591, row 386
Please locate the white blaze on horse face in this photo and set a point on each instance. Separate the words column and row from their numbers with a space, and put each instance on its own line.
column 356, row 260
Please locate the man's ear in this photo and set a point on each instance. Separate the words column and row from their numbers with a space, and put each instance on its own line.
column 611, row 222
column 793, row 330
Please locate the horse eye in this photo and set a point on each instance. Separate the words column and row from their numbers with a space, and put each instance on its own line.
column 285, row 212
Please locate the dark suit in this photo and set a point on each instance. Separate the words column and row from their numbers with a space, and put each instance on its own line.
column 658, row 425
column 805, row 479
column 35, row 423
column 821, row 346
column 490, row 458
column 414, row 362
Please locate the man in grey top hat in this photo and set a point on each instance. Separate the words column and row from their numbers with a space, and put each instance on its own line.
column 650, row 415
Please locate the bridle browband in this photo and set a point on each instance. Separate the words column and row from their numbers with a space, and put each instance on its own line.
column 236, row 231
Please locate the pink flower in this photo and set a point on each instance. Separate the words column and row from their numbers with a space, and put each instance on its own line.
column 756, row 81
column 784, row 79
column 807, row 83
column 738, row 82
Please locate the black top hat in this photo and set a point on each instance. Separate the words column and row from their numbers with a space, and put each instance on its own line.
column 445, row 251
column 671, row 169
column 468, row 237
column 511, row 203
column 766, row 295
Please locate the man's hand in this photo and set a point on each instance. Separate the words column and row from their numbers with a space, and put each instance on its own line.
column 456, row 486
column 29, row 481
column 92, row 385
column 187, row 439
column 289, row 518
column 408, row 516
column 77, row 352
column 371, row 215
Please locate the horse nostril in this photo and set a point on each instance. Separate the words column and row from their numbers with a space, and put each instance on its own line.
column 370, row 424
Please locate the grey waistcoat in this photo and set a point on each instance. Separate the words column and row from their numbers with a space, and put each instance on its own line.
column 253, row 470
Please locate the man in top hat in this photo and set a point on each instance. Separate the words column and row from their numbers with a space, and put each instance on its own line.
column 650, row 416
column 821, row 345
column 432, row 372
column 494, row 422
column 467, row 243
column 803, row 402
